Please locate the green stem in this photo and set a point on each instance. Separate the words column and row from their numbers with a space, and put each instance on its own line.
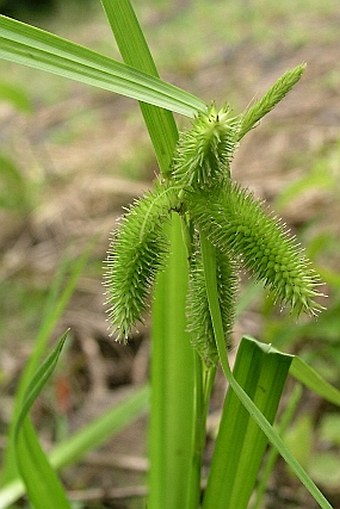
column 204, row 381
column 273, row 453
column 172, row 419
column 209, row 263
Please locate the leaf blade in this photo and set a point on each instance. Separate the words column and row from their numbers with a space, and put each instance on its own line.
column 33, row 47
column 92, row 435
column 315, row 382
column 43, row 486
column 135, row 51
column 240, row 443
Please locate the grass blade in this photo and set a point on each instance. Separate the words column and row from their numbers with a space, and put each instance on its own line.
column 135, row 52
column 266, row 427
column 28, row 45
column 56, row 303
column 172, row 403
column 240, row 443
column 38, row 381
column 273, row 454
column 311, row 379
column 42, row 484
column 86, row 439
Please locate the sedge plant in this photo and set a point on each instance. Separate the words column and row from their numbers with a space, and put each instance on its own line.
column 183, row 244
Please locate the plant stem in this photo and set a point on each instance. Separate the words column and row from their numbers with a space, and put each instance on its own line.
column 273, row 453
column 204, row 381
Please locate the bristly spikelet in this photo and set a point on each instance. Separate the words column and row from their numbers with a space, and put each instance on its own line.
column 204, row 152
column 237, row 222
column 198, row 314
column 137, row 252
column 271, row 98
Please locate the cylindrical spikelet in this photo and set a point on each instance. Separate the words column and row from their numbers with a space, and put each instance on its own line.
column 204, row 152
column 138, row 250
column 271, row 98
column 235, row 221
column 198, row 313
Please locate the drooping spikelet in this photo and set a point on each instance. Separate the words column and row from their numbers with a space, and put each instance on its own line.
column 137, row 252
column 204, row 152
column 198, row 314
column 238, row 223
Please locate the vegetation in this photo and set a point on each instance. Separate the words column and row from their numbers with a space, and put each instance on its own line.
column 212, row 222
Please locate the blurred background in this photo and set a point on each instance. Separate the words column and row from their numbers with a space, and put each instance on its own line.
column 71, row 157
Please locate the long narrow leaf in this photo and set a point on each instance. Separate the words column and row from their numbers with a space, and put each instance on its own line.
column 273, row 453
column 55, row 305
column 311, row 379
column 173, row 418
column 27, row 45
column 135, row 52
column 42, row 484
column 257, row 415
column 38, row 381
column 240, row 443
column 92, row 435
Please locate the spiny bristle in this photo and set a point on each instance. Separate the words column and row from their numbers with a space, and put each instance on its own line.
column 138, row 250
column 238, row 223
column 204, row 152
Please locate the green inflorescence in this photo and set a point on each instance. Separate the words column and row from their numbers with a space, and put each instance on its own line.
column 251, row 117
column 138, row 250
column 242, row 231
column 204, row 152
column 240, row 225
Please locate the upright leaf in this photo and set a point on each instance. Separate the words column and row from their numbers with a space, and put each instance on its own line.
column 56, row 302
column 135, row 51
column 42, row 484
column 240, row 443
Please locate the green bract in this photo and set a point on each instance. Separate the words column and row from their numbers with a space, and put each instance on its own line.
column 199, row 321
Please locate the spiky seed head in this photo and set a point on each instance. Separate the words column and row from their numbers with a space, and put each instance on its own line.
column 239, row 223
column 138, row 250
column 204, row 152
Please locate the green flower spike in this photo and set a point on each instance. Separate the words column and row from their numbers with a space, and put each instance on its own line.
column 237, row 223
column 271, row 98
column 239, row 227
column 204, row 152
column 137, row 252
